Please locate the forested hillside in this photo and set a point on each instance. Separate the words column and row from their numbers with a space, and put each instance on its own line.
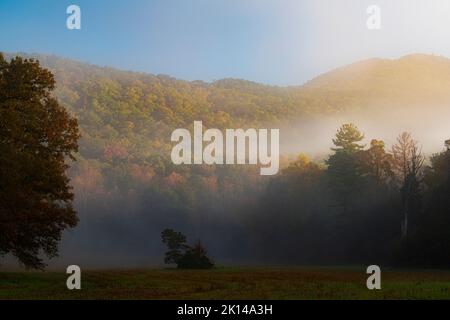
column 127, row 190
column 136, row 112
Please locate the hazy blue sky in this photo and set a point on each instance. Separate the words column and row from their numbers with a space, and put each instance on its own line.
column 277, row 42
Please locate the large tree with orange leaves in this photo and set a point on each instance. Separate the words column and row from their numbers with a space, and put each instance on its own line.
column 37, row 137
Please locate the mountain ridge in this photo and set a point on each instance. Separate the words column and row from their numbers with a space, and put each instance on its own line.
column 46, row 60
column 138, row 111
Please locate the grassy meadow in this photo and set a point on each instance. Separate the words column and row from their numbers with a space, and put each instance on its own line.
column 227, row 283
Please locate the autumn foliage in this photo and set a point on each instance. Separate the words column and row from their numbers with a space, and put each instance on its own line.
column 37, row 136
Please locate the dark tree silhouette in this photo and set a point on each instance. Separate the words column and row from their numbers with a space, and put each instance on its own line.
column 195, row 258
column 344, row 170
column 430, row 246
column 37, row 135
column 408, row 162
column 376, row 163
column 176, row 243
column 184, row 256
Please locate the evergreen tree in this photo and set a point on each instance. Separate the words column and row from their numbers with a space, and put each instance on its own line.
column 344, row 170
column 183, row 255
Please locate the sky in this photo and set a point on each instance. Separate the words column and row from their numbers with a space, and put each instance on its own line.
column 278, row 42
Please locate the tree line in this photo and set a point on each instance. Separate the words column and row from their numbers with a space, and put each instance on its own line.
column 363, row 205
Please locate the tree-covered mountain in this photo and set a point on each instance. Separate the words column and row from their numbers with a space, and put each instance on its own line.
column 127, row 190
column 413, row 80
column 135, row 112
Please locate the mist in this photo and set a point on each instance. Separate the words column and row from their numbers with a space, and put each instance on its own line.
column 429, row 125
column 124, row 231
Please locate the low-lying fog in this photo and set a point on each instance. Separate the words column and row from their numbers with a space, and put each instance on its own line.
column 429, row 125
column 120, row 239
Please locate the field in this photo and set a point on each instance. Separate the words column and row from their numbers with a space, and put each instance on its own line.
column 228, row 283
